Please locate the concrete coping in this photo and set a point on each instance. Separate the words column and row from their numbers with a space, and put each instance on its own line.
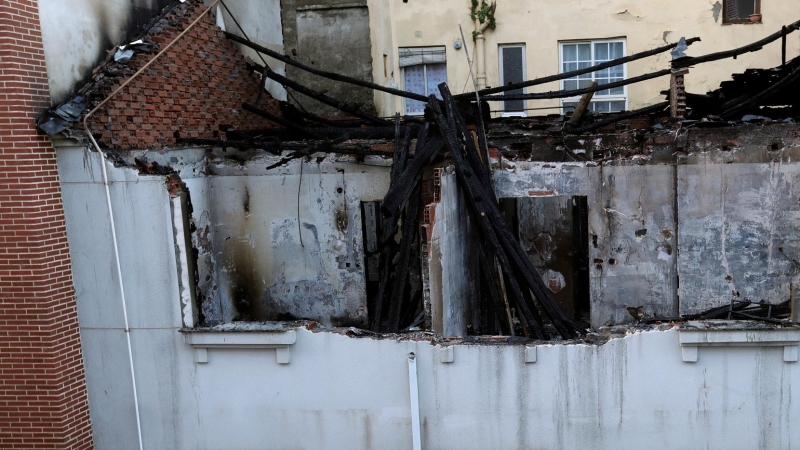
column 725, row 333
column 203, row 340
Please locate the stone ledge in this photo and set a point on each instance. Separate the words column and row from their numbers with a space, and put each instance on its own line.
column 694, row 335
column 201, row 341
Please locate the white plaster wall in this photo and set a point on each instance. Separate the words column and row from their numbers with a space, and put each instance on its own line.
column 342, row 392
column 541, row 25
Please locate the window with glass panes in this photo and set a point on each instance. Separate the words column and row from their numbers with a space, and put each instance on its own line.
column 580, row 55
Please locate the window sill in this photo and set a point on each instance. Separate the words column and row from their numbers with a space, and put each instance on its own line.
column 694, row 335
column 249, row 336
column 742, row 23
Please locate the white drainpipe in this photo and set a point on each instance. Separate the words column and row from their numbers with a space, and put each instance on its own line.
column 413, row 388
column 111, row 215
column 480, row 53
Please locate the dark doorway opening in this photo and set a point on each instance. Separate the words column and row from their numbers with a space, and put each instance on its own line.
column 554, row 231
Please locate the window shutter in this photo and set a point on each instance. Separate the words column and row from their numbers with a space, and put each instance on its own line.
column 413, row 56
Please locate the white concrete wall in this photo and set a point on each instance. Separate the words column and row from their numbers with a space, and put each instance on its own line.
column 341, row 392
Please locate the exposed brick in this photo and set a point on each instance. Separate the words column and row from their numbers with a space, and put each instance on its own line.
column 43, row 401
column 182, row 91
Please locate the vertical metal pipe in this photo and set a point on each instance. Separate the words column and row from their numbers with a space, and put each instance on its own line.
column 413, row 388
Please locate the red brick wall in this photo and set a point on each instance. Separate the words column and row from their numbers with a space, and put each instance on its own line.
column 43, row 402
column 196, row 87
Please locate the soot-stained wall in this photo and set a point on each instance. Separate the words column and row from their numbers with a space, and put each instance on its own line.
column 280, row 244
column 77, row 35
column 681, row 224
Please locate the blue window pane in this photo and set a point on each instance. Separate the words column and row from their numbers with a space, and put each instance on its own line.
column 584, row 52
column 617, row 90
column 616, row 50
column 617, row 106
column 570, row 52
column 570, row 84
column 414, row 78
column 437, row 74
column 601, row 52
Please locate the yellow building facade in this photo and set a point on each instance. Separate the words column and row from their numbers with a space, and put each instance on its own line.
column 421, row 44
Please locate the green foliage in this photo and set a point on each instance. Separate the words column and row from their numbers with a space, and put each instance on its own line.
column 484, row 12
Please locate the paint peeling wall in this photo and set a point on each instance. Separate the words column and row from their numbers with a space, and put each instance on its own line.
column 282, row 244
column 738, row 240
column 627, row 269
column 541, row 25
column 683, row 226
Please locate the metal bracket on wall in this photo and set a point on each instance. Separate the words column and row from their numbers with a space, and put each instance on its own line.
column 531, row 354
column 711, row 334
column 202, row 341
column 446, row 354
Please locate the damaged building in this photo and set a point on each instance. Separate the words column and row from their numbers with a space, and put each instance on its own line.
column 273, row 235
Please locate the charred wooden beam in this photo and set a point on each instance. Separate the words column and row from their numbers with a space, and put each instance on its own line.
column 322, row 98
column 574, row 73
column 582, row 106
column 322, row 73
column 755, row 46
column 618, row 117
column 489, row 277
column 400, row 192
column 281, row 121
column 476, row 199
column 576, row 92
column 407, row 242
column 754, row 100
column 492, row 221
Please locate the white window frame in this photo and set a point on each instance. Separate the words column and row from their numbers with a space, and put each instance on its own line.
column 596, row 97
column 524, row 77
column 425, row 78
